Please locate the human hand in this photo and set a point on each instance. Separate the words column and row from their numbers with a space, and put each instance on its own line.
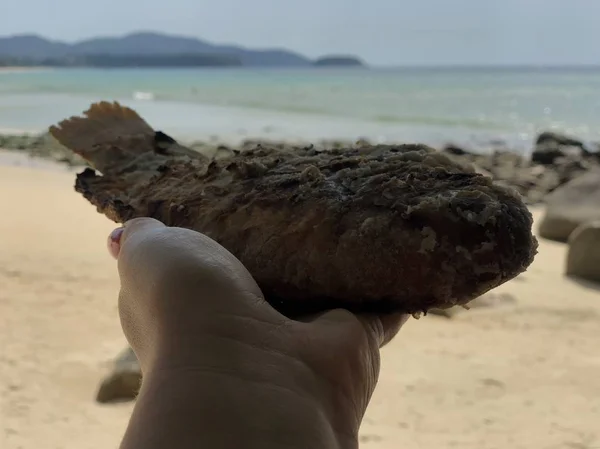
column 224, row 367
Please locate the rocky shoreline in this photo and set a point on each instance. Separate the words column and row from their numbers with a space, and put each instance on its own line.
column 554, row 161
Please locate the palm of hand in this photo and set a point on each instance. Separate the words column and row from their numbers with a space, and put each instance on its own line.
column 188, row 305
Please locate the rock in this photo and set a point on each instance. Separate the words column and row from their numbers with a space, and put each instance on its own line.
column 123, row 382
column 508, row 158
column 570, row 205
column 583, row 258
column 485, row 301
column 362, row 142
column 455, row 150
column 558, row 139
column 533, row 181
column 550, row 146
column 482, row 171
column 570, row 168
column 547, row 154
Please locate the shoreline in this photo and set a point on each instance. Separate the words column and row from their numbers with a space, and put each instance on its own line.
column 28, row 138
column 553, row 160
column 231, row 125
column 15, row 158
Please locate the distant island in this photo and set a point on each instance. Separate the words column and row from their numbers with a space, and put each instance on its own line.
column 339, row 61
column 149, row 49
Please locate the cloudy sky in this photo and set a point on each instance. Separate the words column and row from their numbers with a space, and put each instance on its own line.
column 383, row 32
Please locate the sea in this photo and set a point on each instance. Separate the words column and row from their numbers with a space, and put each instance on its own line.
column 479, row 108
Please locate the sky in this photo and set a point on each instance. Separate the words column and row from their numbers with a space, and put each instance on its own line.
column 382, row 32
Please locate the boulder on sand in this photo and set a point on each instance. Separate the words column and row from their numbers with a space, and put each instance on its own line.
column 583, row 258
column 571, row 205
column 550, row 137
column 124, row 381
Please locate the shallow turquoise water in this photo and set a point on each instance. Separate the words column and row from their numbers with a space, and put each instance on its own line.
column 408, row 104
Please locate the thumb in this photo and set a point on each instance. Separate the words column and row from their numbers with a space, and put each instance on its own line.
column 153, row 257
column 117, row 238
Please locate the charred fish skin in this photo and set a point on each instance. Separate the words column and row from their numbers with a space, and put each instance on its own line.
column 386, row 228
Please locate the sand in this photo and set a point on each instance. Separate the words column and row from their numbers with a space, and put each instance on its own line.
column 522, row 375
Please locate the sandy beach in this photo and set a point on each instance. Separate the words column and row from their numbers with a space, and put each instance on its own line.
column 520, row 375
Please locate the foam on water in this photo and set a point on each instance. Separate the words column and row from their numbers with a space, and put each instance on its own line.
column 143, row 96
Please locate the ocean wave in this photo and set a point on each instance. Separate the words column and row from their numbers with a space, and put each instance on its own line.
column 289, row 108
column 505, row 107
column 458, row 122
column 363, row 113
column 143, row 96
column 451, row 122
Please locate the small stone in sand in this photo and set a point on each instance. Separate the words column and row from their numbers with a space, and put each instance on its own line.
column 583, row 259
column 123, row 382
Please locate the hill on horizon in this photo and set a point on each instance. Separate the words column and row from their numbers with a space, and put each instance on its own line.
column 35, row 47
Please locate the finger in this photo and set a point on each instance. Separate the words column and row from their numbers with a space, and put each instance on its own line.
column 154, row 256
column 113, row 243
column 139, row 226
column 117, row 237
